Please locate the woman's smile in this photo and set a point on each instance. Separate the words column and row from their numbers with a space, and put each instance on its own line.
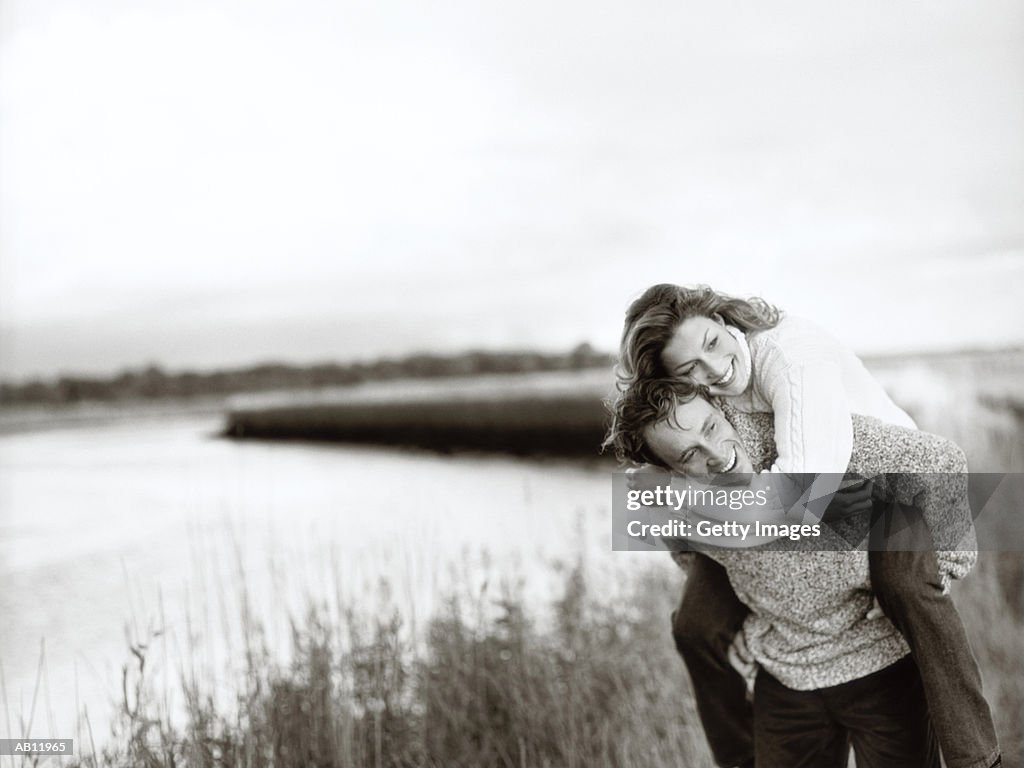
column 727, row 378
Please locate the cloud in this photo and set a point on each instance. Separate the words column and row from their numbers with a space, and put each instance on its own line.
column 216, row 165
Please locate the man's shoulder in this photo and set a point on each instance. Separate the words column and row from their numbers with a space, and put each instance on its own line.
column 756, row 431
column 879, row 446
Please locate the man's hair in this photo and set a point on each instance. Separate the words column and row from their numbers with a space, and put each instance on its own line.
column 644, row 404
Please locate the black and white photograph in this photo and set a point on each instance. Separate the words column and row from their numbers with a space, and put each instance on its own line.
column 511, row 385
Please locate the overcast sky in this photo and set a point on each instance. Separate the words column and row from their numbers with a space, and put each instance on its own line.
column 206, row 184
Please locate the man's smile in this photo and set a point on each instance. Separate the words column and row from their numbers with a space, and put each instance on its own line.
column 732, row 461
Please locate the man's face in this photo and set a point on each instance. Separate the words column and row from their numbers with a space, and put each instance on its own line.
column 698, row 441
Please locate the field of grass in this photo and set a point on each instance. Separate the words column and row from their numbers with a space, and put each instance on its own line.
column 489, row 683
column 975, row 399
column 594, row 681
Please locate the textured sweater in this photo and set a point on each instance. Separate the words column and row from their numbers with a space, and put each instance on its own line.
column 812, row 384
column 808, row 625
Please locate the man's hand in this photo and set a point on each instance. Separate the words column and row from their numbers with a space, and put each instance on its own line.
column 850, row 499
column 647, row 478
column 742, row 660
column 876, row 610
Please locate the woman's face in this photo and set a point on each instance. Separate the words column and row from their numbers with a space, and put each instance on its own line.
column 703, row 352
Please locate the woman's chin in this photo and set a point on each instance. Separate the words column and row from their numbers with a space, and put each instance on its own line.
column 730, row 391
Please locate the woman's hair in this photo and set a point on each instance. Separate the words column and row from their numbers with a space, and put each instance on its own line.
column 639, row 406
column 654, row 317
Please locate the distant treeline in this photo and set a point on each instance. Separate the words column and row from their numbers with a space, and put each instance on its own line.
column 154, row 383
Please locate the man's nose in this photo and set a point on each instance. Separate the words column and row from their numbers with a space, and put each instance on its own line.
column 717, row 455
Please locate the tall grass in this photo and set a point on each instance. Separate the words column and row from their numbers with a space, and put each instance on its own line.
column 489, row 683
column 995, row 626
column 492, row 681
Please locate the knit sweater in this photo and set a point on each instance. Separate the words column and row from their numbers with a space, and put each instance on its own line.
column 812, row 383
column 808, row 625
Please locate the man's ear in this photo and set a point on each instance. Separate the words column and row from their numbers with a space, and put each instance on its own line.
column 718, row 318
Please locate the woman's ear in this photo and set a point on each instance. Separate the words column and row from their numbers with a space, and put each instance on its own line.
column 718, row 318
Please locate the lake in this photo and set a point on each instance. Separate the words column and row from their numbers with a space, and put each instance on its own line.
column 124, row 529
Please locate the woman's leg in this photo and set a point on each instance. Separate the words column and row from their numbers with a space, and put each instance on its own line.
column 703, row 627
column 909, row 589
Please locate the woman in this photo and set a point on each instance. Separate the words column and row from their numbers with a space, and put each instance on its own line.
column 764, row 362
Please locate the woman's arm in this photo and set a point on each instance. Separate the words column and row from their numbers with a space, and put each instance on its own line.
column 813, row 427
column 783, row 495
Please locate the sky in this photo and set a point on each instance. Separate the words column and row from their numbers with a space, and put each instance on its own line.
column 220, row 183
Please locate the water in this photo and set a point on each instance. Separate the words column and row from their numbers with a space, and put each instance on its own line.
column 116, row 531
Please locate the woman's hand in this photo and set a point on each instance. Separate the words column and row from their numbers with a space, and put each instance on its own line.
column 850, row 499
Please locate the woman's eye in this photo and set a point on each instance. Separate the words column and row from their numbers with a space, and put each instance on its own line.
column 713, row 342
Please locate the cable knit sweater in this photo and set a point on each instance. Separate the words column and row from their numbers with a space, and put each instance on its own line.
column 808, row 625
column 812, row 383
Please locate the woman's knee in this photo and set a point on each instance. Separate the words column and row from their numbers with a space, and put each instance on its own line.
column 904, row 580
column 690, row 633
column 710, row 614
column 707, row 628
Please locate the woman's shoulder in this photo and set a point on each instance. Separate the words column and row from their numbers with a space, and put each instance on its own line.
column 793, row 341
column 792, row 329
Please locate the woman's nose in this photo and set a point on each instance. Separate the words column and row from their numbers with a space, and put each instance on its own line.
column 714, row 375
column 708, row 370
column 706, row 374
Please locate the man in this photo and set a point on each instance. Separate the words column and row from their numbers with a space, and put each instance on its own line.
column 828, row 670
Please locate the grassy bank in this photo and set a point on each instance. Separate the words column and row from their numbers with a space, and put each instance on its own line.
column 560, row 414
column 594, row 681
column 489, row 682
column 558, row 426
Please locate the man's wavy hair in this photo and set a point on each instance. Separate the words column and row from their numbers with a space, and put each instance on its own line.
column 661, row 309
column 641, row 405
